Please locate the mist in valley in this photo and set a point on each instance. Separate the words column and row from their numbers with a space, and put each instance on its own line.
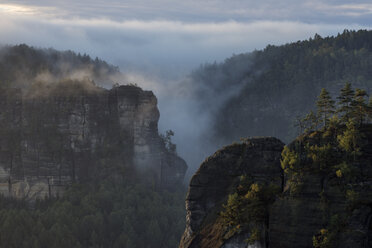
column 179, row 55
column 220, row 72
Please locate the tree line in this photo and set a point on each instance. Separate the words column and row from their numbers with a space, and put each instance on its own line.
column 332, row 147
column 107, row 214
column 352, row 106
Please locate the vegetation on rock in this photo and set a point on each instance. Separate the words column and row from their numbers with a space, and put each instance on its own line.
column 167, row 140
column 332, row 151
column 247, row 208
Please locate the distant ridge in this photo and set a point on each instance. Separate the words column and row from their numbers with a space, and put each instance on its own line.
column 262, row 93
column 21, row 65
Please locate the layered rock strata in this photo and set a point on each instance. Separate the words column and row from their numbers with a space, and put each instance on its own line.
column 51, row 141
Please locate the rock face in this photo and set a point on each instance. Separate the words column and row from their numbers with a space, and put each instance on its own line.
column 298, row 218
column 216, row 178
column 50, row 141
column 293, row 219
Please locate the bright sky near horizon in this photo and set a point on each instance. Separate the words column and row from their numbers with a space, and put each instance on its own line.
column 176, row 35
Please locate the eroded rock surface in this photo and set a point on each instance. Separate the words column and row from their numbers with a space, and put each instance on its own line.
column 323, row 201
column 50, row 141
column 217, row 177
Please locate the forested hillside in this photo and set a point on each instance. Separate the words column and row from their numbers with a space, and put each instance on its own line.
column 263, row 92
column 80, row 165
column 314, row 192
column 21, row 65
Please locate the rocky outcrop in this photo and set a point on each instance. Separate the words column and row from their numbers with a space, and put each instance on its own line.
column 50, row 141
column 216, row 178
column 323, row 203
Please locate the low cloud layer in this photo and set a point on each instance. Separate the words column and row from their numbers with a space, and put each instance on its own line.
column 169, row 37
column 311, row 11
column 172, row 46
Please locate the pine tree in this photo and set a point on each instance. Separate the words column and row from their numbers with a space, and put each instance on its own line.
column 311, row 121
column 369, row 114
column 345, row 102
column 300, row 123
column 350, row 139
column 333, row 127
column 359, row 106
column 325, row 106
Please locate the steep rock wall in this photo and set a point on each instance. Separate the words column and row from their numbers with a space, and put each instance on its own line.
column 51, row 141
column 293, row 218
column 216, row 178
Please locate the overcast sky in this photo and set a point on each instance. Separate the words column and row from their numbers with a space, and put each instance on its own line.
column 177, row 35
column 157, row 42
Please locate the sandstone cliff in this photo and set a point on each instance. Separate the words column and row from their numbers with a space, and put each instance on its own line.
column 323, row 206
column 216, row 178
column 65, row 135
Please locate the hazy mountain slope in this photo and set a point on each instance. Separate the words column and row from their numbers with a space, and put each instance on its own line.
column 22, row 65
column 262, row 93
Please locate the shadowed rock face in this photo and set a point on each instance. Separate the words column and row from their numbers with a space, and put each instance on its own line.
column 293, row 220
column 216, row 179
column 50, row 141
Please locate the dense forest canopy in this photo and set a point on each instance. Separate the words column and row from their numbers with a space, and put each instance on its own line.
column 107, row 213
column 262, row 93
column 21, row 66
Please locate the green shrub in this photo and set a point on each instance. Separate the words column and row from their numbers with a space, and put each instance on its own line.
column 248, row 206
